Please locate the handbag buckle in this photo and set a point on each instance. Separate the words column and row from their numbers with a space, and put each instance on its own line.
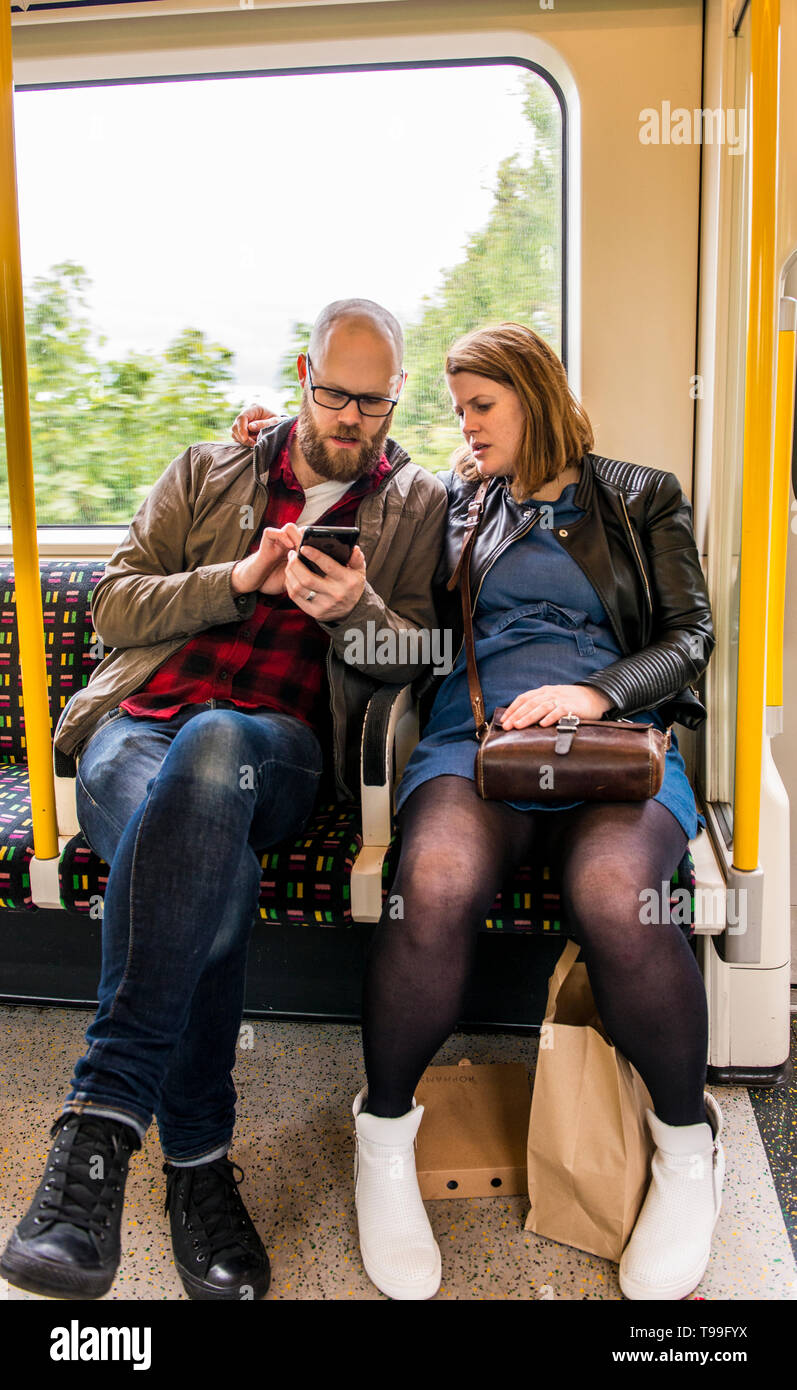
column 565, row 729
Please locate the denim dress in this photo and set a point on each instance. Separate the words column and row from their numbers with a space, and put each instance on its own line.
column 538, row 621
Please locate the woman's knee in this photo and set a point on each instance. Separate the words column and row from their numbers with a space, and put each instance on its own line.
column 438, row 902
column 613, row 858
column 607, row 910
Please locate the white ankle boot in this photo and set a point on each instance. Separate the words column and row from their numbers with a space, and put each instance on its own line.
column 399, row 1251
column 670, row 1245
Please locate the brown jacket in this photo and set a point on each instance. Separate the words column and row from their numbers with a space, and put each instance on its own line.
column 170, row 578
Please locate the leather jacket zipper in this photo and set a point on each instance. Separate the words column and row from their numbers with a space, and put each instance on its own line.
column 636, row 552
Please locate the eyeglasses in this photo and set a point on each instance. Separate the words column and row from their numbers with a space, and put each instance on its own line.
column 338, row 400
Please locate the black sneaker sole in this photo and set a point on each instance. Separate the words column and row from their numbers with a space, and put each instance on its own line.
column 199, row 1291
column 51, row 1280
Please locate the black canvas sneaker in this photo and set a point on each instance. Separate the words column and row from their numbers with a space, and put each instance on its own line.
column 217, row 1250
column 67, row 1245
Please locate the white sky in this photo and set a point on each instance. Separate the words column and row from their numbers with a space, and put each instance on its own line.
column 239, row 205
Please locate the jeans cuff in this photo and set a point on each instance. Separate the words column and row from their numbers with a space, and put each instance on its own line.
column 203, row 1158
column 80, row 1107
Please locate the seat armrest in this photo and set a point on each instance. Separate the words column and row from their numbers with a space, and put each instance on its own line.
column 710, row 904
column 65, row 769
column 390, row 732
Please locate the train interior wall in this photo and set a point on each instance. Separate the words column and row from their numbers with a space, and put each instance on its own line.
column 639, row 224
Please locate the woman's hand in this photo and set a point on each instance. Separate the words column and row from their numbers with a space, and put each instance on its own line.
column 548, row 703
column 250, row 422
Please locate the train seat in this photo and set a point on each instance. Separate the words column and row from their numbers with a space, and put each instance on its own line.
column 307, row 881
column 16, row 837
column 337, row 873
column 67, row 586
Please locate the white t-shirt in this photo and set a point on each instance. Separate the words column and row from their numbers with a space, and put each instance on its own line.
column 319, row 499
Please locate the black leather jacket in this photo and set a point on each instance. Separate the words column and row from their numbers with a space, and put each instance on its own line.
column 636, row 547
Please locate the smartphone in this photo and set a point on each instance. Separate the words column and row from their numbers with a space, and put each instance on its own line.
column 335, row 541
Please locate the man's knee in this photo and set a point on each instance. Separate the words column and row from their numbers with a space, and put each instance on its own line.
column 211, row 748
column 225, row 747
column 114, row 756
column 113, row 778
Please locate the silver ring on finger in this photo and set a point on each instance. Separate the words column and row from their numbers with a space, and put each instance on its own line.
column 310, row 595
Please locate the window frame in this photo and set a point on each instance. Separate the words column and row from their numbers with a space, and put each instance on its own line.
column 50, row 71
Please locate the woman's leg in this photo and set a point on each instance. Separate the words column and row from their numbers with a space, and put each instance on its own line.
column 650, row 995
column 645, row 979
column 456, row 850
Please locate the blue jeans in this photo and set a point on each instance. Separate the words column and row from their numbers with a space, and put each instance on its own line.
column 181, row 809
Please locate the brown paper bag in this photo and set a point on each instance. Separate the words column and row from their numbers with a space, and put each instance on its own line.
column 589, row 1147
column 472, row 1142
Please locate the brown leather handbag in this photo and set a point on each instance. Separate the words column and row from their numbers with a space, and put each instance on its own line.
column 575, row 759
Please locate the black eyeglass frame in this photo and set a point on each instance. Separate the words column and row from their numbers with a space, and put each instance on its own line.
column 350, row 396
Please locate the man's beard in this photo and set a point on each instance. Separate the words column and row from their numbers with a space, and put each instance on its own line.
column 338, row 465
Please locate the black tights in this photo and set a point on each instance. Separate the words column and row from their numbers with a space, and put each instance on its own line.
column 456, row 852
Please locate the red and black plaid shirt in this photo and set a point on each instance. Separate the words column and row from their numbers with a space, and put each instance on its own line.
column 276, row 658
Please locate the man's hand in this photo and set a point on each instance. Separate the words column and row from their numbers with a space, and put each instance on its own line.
column 250, row 422
column 265, row 569
column 548, row 703
column 336, row 592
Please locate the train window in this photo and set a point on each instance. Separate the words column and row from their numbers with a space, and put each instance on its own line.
column 178, row 236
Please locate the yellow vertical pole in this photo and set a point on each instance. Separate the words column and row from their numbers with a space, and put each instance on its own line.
column 20, row 473
column 781, row 480
column 765, row 26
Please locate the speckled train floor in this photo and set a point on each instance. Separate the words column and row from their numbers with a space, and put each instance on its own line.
column 294, row 1141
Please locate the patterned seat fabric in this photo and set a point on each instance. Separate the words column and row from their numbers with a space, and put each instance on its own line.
column 71, row 644
column 72, row 652
column 304, row 881
column 16, row 837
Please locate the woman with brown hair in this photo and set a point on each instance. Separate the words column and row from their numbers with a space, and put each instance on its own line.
column 588, row 598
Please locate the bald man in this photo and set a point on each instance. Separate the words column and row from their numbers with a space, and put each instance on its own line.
column 201, row 741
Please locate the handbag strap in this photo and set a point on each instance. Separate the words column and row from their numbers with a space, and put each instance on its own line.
column 461, row 576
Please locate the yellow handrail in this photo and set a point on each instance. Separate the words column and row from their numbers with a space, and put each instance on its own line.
column 781, row 478
column 765, row 25
column 20, row 474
